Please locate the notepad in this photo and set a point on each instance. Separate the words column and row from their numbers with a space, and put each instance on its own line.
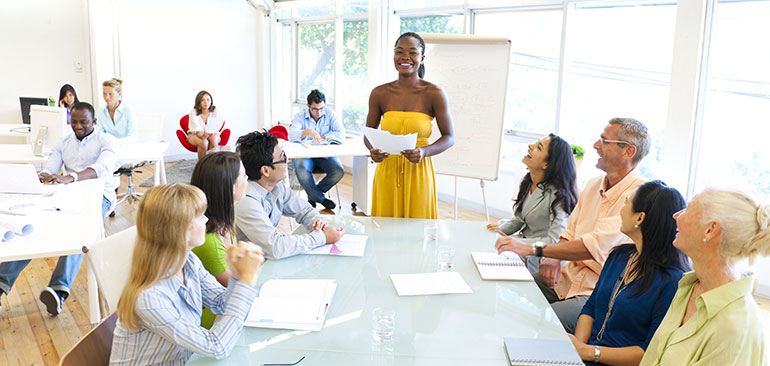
column 292, row 304
column 432, row 283
column 349, row 245
column 535, row 352
column 493, row 266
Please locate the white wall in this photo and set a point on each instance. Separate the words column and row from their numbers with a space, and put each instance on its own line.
column 41, row 43
column 172, row 49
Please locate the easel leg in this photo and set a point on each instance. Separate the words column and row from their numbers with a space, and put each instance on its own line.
column 455, row 198
column 484, row 198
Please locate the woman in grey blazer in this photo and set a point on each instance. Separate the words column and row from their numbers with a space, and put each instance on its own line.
column 547, row 194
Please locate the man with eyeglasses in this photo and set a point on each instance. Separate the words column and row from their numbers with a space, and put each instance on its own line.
column 569, row 269
column 268, row 198
column 317, row 124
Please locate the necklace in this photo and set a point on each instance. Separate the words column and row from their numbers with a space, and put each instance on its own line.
column 620, row 285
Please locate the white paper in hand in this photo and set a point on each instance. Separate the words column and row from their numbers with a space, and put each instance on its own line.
column 389, row 143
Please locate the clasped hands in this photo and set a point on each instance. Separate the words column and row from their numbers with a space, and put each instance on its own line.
column 245, row 260
column 413, row 155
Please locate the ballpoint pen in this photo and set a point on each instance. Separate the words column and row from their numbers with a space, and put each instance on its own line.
column 376, row 223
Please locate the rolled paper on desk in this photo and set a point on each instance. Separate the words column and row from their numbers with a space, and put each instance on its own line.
column 6, row 233
column 18, row 224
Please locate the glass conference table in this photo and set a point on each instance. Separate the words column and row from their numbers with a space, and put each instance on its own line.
column 455, row 329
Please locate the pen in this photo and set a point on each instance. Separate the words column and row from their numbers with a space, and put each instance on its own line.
column 11, row 213
column 375, row 223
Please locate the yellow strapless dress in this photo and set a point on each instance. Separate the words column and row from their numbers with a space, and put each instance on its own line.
column 402, row 188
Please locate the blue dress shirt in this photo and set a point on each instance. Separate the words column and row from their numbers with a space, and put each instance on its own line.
column 95, row 151
column 634, row 319
column 328, row 125
column 124, row 124
column 170, row 313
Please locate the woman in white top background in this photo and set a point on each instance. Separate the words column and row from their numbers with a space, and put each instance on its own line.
column 205, row 124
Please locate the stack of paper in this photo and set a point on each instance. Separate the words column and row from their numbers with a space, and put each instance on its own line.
column 292, row 304
column 389, row 143
column 349, row 245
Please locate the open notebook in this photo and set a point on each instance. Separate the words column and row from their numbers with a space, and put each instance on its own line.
column 494, row 266
column 537, row 352
column 292, row 304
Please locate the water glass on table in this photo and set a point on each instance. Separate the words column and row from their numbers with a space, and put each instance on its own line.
column 383, row 324
column 445, row 256
column 430, row 230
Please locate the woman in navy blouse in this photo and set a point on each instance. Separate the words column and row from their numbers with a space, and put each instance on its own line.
column 637, row 283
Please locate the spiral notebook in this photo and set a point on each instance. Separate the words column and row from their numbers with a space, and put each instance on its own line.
column 493, row 266
column 540, row 352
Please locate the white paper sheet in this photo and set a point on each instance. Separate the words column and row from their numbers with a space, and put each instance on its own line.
column 292, row 304
column 214, row 124
column 350, row 245
column 389, row 143
column 432, row 283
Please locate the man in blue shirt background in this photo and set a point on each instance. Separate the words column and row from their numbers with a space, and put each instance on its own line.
column 319, row 125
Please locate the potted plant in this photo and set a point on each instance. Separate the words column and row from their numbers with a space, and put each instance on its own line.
column 578, row 152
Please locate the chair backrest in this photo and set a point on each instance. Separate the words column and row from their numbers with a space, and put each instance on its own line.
column 280, row 132
column 95, row 347
column 110, row 259
column 150, row 126
column 184, row 123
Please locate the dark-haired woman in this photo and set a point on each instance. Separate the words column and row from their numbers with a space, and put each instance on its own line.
column 222, row 178
column 204, row 124
column 67, row 98
column 404, row 184
column 637, row 283
column 547, row 194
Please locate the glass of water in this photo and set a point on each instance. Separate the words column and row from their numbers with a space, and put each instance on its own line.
column 383, row 324
column 430, row 230
column 445, row 256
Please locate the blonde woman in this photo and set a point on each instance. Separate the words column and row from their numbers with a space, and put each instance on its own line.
column 160, row 308
column 115, row 117
column 713, row 319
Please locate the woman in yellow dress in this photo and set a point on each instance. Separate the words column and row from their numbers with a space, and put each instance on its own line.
column 404, row 184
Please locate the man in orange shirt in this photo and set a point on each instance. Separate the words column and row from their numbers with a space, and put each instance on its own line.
column 593, row 228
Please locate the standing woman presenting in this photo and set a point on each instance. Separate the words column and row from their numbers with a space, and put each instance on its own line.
column 404, row 185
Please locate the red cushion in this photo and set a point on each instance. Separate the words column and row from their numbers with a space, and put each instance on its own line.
column 184, row 124
column 279, row 132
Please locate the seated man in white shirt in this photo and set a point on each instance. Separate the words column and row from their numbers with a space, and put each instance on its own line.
column 268, row 198
column 87, row 154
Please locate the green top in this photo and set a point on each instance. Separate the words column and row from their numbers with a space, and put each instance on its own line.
column 212, row 254
column 725, row 330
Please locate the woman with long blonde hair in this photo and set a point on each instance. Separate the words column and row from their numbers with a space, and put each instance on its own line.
column 160, row 308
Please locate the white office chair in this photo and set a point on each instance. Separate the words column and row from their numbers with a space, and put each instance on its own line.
column 150, row 128
column 110, row 260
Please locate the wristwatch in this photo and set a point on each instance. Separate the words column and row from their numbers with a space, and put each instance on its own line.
column 74, row 176
column 537, row 248
column 597, row 353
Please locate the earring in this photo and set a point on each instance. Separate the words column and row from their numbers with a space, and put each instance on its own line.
column 704, row 240
column 636, row 226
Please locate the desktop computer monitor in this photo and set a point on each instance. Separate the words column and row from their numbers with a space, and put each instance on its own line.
column 53, row 122
column 26, row 102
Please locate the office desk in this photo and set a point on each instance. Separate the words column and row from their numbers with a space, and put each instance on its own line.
column 141, row 151
column 362, row 180
column 461, row 329
column 14, row 130
column 64, row 233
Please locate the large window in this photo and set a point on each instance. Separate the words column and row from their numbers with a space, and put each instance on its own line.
column 733, row 148
column 451, row 23
column 618, row 65
column 315, row 60
column 354, row 96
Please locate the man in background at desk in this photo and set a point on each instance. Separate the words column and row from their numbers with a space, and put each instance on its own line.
column 268, row 198
column 87, row 154
column 593, row 228
column 317, row 124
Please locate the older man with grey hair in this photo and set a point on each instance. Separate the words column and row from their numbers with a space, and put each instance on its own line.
column 593, row 228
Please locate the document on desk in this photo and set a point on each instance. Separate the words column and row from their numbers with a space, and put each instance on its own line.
column 292, row 304
column 389, row 143
column 493, row 266
column 349, row 245
column 432, row 283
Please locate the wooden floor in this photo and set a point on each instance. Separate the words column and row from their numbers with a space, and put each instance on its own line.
column 29, row 336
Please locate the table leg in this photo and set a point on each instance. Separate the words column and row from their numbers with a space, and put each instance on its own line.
column 162, row 165
column 362, row 184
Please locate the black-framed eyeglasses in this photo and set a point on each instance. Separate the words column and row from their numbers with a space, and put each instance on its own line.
column 317, row 110
column 283, row 159
column 607, row 141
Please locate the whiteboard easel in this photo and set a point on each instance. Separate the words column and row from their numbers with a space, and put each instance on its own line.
column 473, row 72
